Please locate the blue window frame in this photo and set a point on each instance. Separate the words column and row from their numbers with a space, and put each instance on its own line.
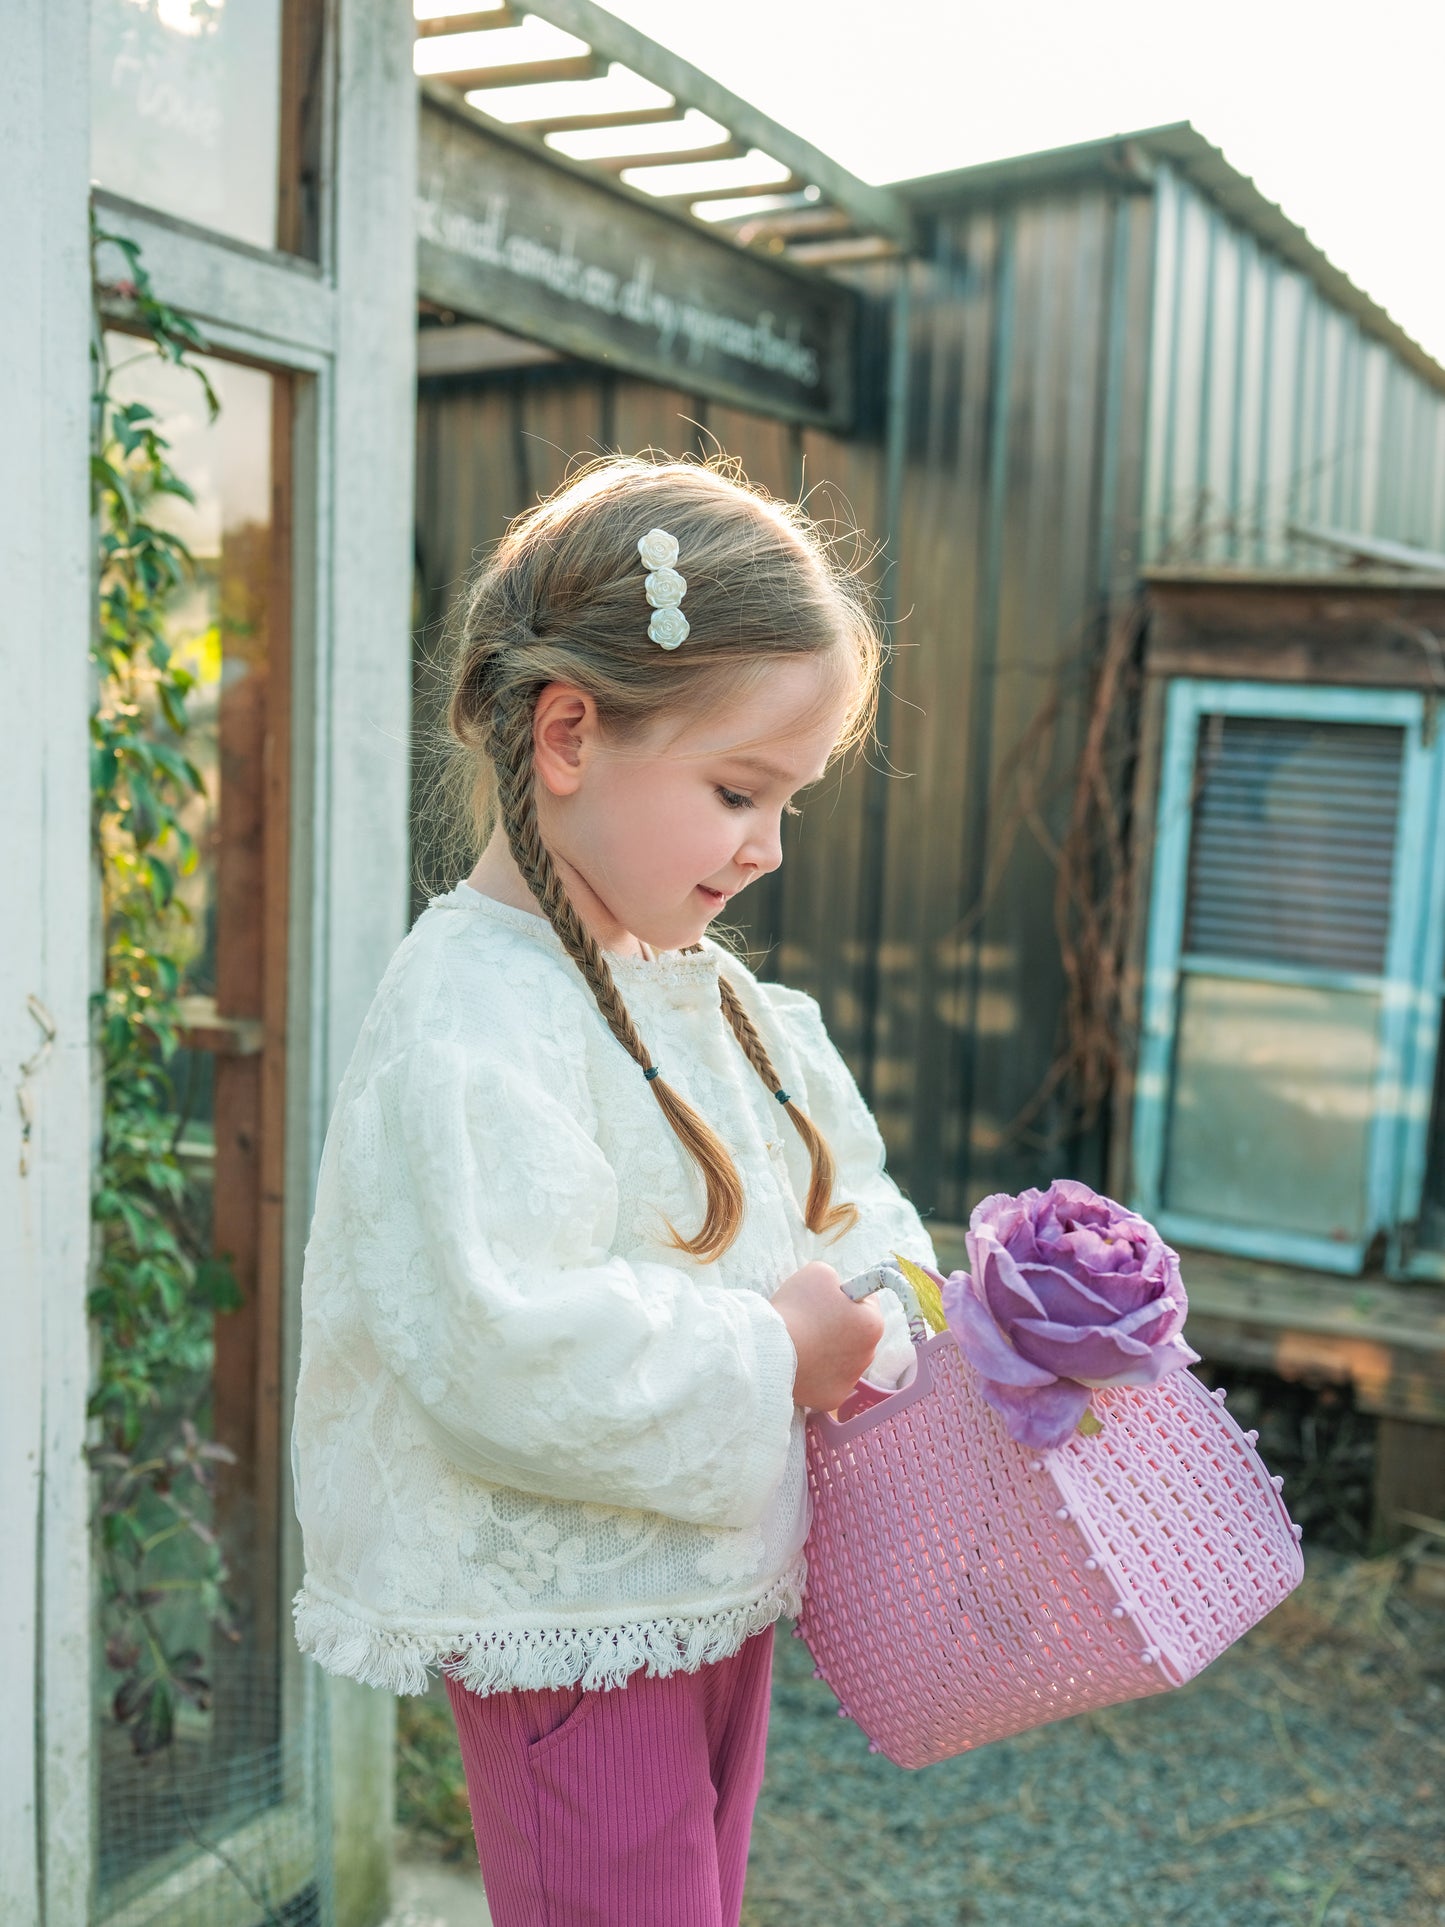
column 1292, row 991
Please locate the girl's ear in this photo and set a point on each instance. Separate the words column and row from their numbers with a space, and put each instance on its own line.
column 564, row 725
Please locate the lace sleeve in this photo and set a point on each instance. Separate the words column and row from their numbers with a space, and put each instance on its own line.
column 480, row 1217
column 887, row 1221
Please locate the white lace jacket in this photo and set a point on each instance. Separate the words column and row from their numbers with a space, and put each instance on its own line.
column 533, row 1443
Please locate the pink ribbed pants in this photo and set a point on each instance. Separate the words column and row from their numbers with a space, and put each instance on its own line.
column 627, row 1808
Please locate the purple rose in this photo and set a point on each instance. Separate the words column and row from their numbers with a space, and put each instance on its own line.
column 1069, row 1291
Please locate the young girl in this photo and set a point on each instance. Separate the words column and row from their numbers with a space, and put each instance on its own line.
column 586, row 1201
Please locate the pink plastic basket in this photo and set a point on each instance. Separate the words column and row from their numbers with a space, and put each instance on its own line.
column 962, row 1587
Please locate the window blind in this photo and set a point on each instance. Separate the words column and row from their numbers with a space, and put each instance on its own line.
column 1293, row 841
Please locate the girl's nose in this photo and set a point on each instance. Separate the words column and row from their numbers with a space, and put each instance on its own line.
column 763, row 850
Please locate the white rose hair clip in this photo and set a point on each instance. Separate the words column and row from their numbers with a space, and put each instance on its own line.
column 664, row 589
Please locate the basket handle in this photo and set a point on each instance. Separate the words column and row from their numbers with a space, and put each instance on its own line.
column 877, row 1411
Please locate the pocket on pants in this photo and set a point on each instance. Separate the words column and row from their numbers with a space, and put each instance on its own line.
column 553, row 1716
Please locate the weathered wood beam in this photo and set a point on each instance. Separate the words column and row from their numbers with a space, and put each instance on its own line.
column 569, row 255
column 878, row 209
column 474, row 348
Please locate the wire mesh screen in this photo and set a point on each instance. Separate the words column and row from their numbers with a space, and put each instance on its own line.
column 229, row 1825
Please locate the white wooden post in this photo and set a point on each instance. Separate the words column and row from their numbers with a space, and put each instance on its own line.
column 363, row 709
column 45, row 953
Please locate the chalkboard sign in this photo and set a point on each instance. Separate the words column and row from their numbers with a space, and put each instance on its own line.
column 506, row 235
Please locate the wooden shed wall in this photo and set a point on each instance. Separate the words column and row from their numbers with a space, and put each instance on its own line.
column 1019, row 518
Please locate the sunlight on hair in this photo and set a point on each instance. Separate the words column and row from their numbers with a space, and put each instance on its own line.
column 559, row 600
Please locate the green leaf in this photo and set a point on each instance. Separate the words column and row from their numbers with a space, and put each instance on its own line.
column 1090, row 1424
column 216, row 1285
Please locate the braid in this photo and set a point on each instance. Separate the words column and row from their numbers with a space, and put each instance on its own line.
column 511, row 752
column 561, row 600
column 820, row 1212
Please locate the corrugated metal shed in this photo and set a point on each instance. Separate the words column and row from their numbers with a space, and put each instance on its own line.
column 1115, row 354
column 1280, row 394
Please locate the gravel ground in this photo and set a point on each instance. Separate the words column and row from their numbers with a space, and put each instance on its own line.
column 1299, row 1782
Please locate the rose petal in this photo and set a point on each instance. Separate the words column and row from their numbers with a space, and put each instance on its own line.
column 1009, row 1219
column 1100, row 1357
column 1099, row 1249
column 1123, row 1291
column 1172, row 1356
column 1067, row 1300
column 1092, row 1356
column 981, row 1341
column 1041, row 1418
column 1004, row 1289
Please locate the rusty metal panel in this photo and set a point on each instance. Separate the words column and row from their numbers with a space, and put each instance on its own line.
column 1271, row 408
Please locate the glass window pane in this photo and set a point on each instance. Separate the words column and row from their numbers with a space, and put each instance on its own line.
column 1271, row 1106
column 186, row 109
column 227, row 627
column 1292, row 847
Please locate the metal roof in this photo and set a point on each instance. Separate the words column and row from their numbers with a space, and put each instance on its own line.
column 1130, row 159
column 1222, row 575
column 585, row 87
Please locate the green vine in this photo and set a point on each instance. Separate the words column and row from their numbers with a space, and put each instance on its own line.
column 156, row 1288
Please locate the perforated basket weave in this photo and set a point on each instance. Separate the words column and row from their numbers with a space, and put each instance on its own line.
column 962, row 1587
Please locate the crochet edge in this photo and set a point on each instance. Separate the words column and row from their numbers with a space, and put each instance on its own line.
column 503, row 1659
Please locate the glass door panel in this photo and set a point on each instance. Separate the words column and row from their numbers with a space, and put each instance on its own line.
column 230, row 627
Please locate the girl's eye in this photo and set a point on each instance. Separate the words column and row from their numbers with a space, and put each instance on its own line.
column 734, row 799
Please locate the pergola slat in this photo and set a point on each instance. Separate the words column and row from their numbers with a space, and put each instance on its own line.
column 450, row 23
column 843, row 251
column 877, row 209
column 526, row 73
column 792, row 186
column 718, row 151
column 810, row 222
column 583, row 123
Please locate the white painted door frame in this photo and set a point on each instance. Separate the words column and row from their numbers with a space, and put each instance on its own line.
column 45, row 950
column 347, row 331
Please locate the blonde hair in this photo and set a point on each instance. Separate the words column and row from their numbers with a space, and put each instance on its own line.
column 560, row 600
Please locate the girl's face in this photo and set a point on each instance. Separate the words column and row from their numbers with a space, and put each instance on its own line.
column 656, row 835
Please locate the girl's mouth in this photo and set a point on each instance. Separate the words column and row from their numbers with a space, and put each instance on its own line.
column 717, row 898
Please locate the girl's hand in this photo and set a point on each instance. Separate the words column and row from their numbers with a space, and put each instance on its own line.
column 835, row 1339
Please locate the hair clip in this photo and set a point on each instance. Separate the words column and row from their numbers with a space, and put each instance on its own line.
column 664, row 589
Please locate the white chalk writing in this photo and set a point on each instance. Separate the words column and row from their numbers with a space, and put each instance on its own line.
column 637, row 299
